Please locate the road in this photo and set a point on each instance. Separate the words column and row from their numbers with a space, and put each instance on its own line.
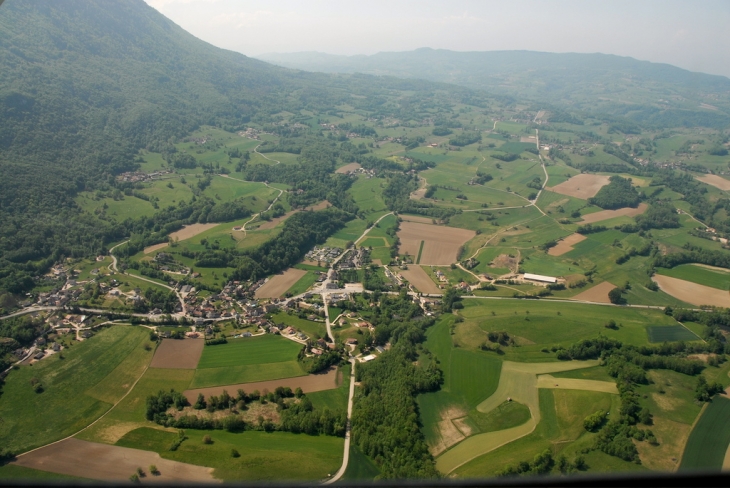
column 348, row 428
column 281, row 192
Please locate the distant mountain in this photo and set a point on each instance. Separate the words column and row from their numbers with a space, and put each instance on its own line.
column 651, row 93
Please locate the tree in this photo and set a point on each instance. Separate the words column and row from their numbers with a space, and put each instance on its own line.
column 615, row 296
column 207, row 439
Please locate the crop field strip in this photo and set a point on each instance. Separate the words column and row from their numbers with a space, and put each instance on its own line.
column 709, row 439
column 693, row 293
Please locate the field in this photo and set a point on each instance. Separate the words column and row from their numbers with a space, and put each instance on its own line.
column 109, row 463
column 304, row 283
column 280, row 283
column 598, row 293
column 178, row 354
column 308, row 384
column 263, row 455
column 716, row 181
column 420, row 279
column 602, row 215
column 709, row 439
column 441, row 244
column 703, row 275
column 566, row 245
column 348, row 168
column 77, row 388
column 247, row 360
column 693, row 293
column 582, row 186
column 670, row 333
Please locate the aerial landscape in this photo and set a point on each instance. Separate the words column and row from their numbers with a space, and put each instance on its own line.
column 424, row 264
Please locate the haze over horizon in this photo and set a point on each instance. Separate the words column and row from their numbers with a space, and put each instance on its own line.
column 688, row 35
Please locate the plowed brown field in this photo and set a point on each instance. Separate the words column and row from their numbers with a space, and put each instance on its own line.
column 598, row 293
column 279, row 284
column 420, row 279
column 308, row 384
column 716, row 181
column 178, row 354
column 692, row 292
column 609, row 214
column 583, row 186
column 110, row 463
column 566, row 244
column 441, row 243
column 348, row 167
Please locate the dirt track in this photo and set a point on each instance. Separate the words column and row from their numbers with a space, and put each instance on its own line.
column 610, row 214
column 598, row 293
column 693, row 293
column 308, row 384
column 279, row 284
column 566, row 245
column 110, row 463
column 583, row 186
column 420, row 279
column 441, row 243
column 178, row 354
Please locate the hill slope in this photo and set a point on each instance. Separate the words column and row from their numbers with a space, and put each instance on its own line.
column 653, row 93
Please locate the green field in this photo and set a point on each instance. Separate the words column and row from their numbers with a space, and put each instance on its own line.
column 263, row 456
column 359, row 466
column 92, row 376
column 697, row 274
column 251, row 350
column 304, row 283
column 670, row 334
column 709, row 439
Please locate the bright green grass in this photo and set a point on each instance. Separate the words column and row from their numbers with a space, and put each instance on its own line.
column 373, row 242
column 312, row 329
column 304, row 283
column 505, row 416
column 264, row 456
column 14, row 472
column 359, row 466
column 247, row 373
column 130, row 412
column 367, row 193
column 670, row 333
column 309, row 267
column 696, row 274
column 709, row 439
column 335, row 399
column 251, row 350
column 351, row 232
column 77, row 389
column 469, row 378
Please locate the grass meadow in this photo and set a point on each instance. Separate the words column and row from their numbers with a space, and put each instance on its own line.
column 77, row 389
column 264, row 456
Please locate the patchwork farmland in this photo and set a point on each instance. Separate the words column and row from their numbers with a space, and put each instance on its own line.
column 440, row 243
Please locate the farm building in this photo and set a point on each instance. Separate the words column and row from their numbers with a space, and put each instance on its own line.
column 541, row 278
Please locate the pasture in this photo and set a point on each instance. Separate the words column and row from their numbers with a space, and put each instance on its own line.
column 263, row 455
column 709, row 439
column 248, row 360
column 77, row 388
column 703, row 275
column 440, row 243
column 693, row 293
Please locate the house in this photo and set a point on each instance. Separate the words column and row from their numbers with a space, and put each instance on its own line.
column 56, row 346
column 39, row 355
column 316, row 351
column 367, row 358
column 379, row 349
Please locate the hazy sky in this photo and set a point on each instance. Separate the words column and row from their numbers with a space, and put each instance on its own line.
column 693, row 35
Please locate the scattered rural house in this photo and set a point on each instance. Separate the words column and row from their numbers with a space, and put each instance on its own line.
column 367, row 358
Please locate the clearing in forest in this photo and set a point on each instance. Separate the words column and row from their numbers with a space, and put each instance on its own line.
column 566, row 245
column 348, row 168
column 583, row 186
column 178, row 354
column 420, row 279
column 280, row 283
column 716, row 181
column 610, row 214
column 441, row 244
column 185, row 233
column 597, row 294
column 693, row 293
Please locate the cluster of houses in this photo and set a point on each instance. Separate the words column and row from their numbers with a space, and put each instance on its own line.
column 138, row 176
column 323, row 254
column 353, row 258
